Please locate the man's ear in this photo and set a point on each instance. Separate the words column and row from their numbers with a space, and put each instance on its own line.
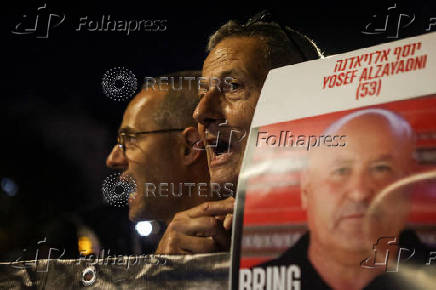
column 190, row 152
column 304, row 187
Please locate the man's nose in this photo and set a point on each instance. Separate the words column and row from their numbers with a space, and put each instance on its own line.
column 208, row 109
column 362, row 187
column 117, row 159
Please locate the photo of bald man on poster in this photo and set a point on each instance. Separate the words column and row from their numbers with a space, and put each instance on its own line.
column 357, row 200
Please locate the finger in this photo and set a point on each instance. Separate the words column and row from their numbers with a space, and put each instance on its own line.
column 227, row 223
column 200, row 226
column 222, row 238
column 198, row 244
column 169, row 244
column 212, row 208
column 165, row 250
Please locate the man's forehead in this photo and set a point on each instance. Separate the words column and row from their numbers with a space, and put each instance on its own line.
column 367, row 137
column 138, row 114
column 232, row 53
column 221, row 60
column 225, row 53
column 326, row 159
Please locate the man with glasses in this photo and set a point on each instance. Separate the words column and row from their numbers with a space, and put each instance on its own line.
column 156, row 148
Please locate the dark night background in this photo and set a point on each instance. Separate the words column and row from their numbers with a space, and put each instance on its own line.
column 58, row 126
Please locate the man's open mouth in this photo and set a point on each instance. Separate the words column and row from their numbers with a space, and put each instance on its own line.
column 219, row 151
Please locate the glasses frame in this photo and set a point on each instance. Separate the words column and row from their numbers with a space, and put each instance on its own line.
column 121, row 141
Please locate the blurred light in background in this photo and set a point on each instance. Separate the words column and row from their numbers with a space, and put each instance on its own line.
column 9, row 186
column 144, row 228
column 88, row 241
column 85, row 246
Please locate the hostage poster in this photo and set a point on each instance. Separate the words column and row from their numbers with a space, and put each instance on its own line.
column 338, row 184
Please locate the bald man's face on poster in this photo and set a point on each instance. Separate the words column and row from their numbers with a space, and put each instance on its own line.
column 340, row 183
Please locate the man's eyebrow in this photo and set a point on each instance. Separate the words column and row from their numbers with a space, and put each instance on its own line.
column 342, row 160
column 125, row 129
column 229, row 73
column 384, row 157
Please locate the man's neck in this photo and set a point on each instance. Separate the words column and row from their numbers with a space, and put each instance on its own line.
column 339, row 269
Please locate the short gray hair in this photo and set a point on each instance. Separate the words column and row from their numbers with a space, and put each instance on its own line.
column 177, row 107
column 284, row 46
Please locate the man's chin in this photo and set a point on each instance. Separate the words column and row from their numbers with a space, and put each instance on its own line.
column 354, row 241
column 136, row 214
column 133, row 216
column 224, row 175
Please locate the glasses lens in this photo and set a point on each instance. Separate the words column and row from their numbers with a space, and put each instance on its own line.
column 120, row 141
column 129, row 141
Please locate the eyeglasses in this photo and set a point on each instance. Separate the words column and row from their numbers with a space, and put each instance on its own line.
column 128, row 139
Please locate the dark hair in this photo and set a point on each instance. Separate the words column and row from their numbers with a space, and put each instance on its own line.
column 284, row 45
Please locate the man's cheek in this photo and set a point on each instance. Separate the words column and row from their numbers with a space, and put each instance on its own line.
column 249, row 114
column 239, row 113
column 209, row 155
column 382, row 181
column 322, row 207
